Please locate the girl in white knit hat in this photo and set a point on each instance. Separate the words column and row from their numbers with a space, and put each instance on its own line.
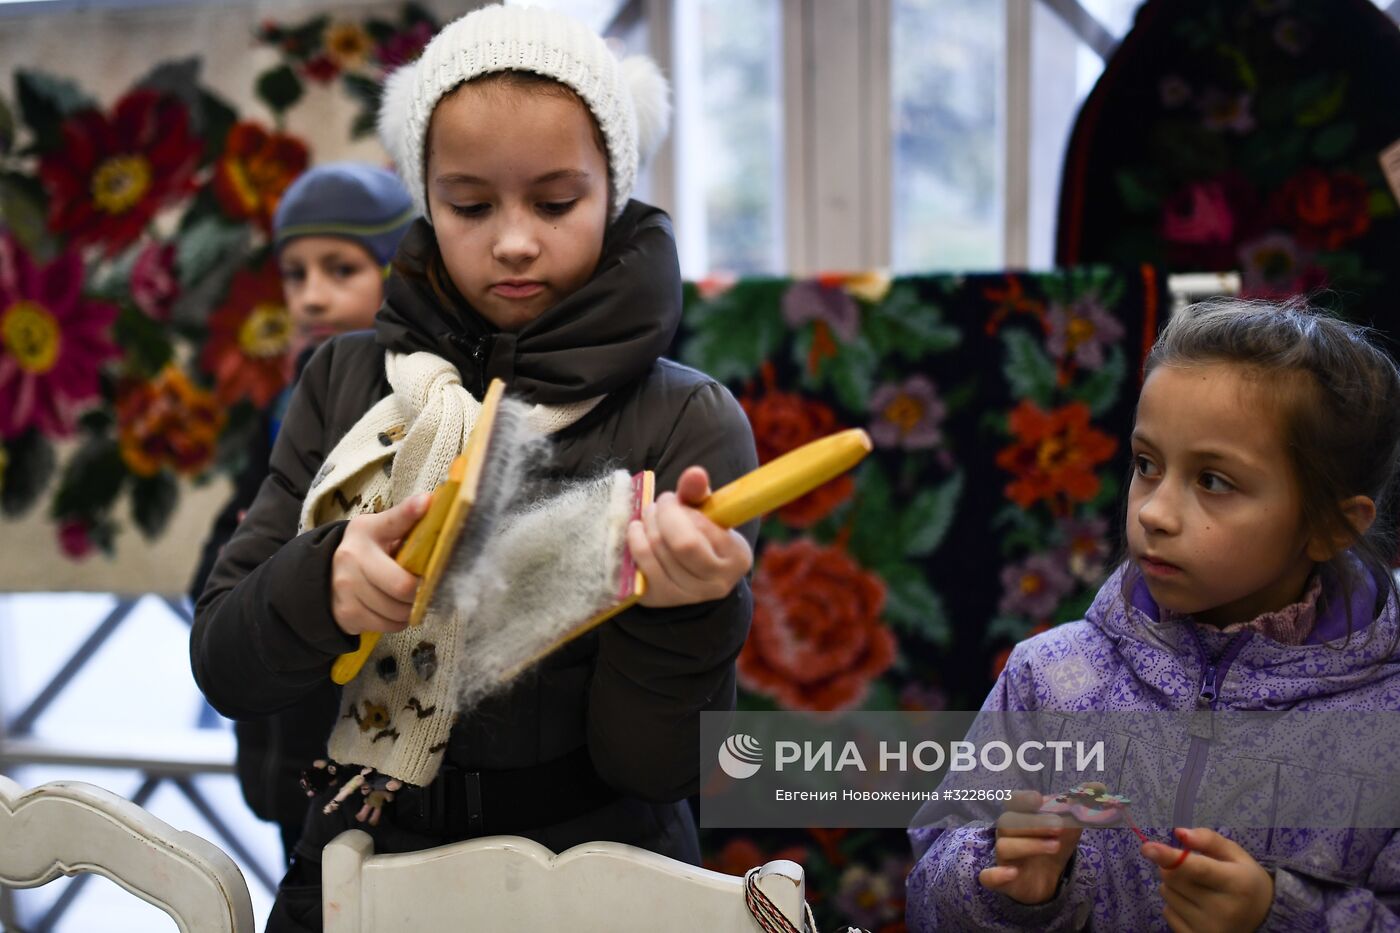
column 519, row 135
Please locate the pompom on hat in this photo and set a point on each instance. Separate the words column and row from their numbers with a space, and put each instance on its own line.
column 629, row 98
column 350, row 200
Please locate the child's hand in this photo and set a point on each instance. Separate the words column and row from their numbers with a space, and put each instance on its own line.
column 1032, row 850
column 686, row 557
column 369, row 592
column 1219, row 887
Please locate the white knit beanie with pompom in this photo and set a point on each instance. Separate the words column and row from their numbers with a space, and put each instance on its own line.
column 629, row 99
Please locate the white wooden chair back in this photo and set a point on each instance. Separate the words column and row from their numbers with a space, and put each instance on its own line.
column 67, row 827
column 512, row 883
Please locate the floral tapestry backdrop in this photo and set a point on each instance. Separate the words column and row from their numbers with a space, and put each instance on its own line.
column 1000, row 407
column 1229, row 135
column 141, row 310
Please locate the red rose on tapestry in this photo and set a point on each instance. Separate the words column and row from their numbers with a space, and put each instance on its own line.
column 167, row 422
column 784, row 421
column 741, row 853
column 817, row 640
column 1055, row 454
column 52, row 341
column 112, row 174
column 256, row 167
column 250, row 339
column 1324, row 211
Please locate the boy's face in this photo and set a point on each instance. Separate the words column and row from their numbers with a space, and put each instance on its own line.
column 332, row 286
column 518, row 192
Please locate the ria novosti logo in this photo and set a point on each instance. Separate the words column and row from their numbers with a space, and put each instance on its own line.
column 740, row 756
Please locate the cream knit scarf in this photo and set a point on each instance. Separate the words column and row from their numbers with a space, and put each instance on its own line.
column 396, row 715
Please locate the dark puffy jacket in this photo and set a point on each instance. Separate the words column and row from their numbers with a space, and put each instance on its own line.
column 631, row 692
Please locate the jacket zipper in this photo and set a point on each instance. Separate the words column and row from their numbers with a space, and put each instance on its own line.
column 1207, row 698
column 476, row 351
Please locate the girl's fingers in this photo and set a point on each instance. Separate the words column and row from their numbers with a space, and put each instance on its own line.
column 998, row 877
column 1016, row 848
column 1175, row 921
column 376, row 621
column 1189, row 910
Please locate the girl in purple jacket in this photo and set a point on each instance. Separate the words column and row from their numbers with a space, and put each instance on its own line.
column 1256, row 578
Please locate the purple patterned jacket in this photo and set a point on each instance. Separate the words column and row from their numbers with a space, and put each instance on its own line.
column 1121, row 658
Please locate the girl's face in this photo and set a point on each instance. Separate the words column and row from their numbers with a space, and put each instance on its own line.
column 332, row 286
column 518, row 192
column 1214, row 513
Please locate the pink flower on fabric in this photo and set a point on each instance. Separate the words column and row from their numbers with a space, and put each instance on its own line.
column 1034, row 587
column 1200, row 214
column 810, row 300
column 74, row 540
column 1081, row 330
column 52, row 342
column 908, row 415
column 154, row 287
column 1277, row 266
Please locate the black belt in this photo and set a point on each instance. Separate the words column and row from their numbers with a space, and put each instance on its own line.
column 461, row 804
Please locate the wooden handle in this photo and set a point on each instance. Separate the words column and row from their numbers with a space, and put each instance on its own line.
column 413, row 556
column 780, row 481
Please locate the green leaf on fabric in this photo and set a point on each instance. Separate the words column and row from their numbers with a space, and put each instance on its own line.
column 1027, row 367
column 179, row 79
column 1074, row 608
column 1380, row 203
column 153, row 500
column 880, row 695
column 23, row 207
column 364, row 89
column 91, row 480
column 851, row 373
column 1102, row 388
column 202, row 245
column 926, row 520
column 903, row 325
column 7, row 128
column 1007, row 628
column 735, row 332
column 366, row 122
column 1137, row 197
column 913, row 605
column 1106, row 499
column 871, row 543
column 45, row 100
column 1317, row 100
column 146, row 342
column 279, row 88
column 28, row 464
column 213, row 118
column 1334, row 141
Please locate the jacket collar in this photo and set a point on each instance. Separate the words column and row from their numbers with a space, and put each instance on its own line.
column 602, row 337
